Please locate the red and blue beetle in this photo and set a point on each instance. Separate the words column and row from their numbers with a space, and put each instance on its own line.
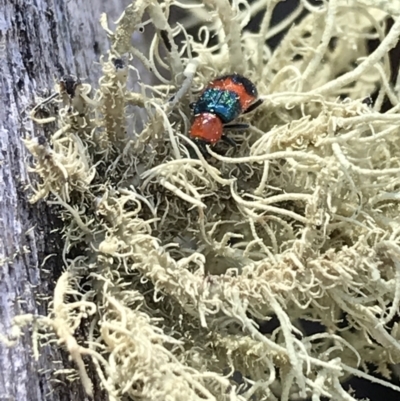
column 221, row 102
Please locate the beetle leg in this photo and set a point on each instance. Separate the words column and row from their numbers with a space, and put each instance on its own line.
column 229, row 141
column 253, row 106
column 237, row 126
column 202, row 148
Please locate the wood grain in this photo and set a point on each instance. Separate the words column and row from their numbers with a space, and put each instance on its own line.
column 35, row 35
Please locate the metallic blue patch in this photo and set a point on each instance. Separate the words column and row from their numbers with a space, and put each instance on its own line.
column 223, row 103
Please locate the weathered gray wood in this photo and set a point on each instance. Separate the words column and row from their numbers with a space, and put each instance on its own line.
column 34, row 36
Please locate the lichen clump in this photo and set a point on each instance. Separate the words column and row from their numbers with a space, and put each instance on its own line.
column 188, row 269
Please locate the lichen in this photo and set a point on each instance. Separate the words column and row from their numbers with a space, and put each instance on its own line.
column 179, row 261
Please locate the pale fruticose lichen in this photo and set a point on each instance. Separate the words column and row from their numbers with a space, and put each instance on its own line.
column 189, row 270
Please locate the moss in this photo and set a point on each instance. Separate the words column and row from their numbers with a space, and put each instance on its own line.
column 183, row 256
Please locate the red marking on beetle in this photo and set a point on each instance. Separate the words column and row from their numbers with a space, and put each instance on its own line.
column 208, row 127
column 228, row 84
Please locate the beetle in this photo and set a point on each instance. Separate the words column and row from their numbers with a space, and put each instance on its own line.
column 222, row 101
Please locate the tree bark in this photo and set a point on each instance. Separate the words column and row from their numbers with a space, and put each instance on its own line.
column 35, row 35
